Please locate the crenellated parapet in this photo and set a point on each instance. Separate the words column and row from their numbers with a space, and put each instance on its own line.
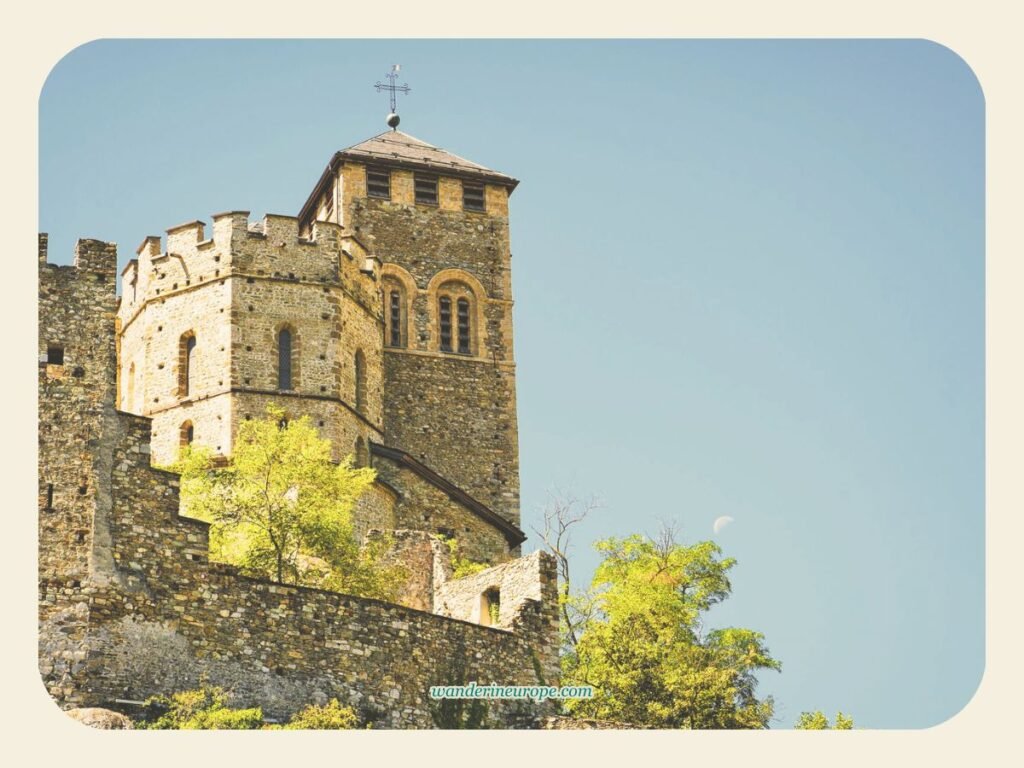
column 269, row 249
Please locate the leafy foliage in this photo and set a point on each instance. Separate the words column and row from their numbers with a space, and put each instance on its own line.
column 462, row 566
column 331, row 716
column 203, row 709
column 281, row 509
column 640, row 641
column 206, row 708
column 817, row 721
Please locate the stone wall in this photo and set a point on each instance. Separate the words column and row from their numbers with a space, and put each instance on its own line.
column 514, row 584
column 130, row 606
column 76, row 315
column 235, row 292
column 425, row 507
column 456, row 413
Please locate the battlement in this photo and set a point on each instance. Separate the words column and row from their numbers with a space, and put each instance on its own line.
column 94, row 256
column 251, row 246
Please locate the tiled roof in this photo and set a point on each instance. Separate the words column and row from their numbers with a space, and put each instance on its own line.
column 400, row 147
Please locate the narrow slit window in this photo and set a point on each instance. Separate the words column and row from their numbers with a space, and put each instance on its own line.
column 187, row 360
column 473, row 197
column 360, row 364
column 284, row 359
column 426, row 189
column 445, row 316
column 49, row 496
column 378, row 183
column 187, row 434
column 395, row 316
column 463, row 309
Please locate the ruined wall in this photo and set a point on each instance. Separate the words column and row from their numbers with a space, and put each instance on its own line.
column 426, row 560
column 455, row 412
column 513, row 583
column 76, row 316
column 76, row 320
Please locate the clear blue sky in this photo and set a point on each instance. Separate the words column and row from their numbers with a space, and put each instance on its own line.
column 749, row 281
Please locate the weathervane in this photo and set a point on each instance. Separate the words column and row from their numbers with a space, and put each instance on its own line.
column 393, row 89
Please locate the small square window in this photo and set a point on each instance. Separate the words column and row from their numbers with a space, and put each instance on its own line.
column 55, row 355
column 473, row 197
column 378, row 183
column 426, row 189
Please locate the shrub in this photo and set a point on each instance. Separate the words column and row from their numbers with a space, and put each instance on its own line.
column 204, row 709
column 332, row 716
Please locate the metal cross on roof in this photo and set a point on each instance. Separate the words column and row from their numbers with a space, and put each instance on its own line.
column 393, row 90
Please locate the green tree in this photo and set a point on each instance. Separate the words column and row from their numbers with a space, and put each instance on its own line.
column 638, row 638
column 817, row 721
column 282, row 510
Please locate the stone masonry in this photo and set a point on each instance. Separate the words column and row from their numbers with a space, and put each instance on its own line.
column 383, row 311
column 130, row 605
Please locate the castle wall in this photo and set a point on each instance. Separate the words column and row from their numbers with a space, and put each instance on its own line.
column 173, row 618
column 515, row 583
column 130, row 606
column 456, row 413
column 235, row 292
column 76, row 314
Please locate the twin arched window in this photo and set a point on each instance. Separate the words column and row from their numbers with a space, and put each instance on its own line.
column 461, row 341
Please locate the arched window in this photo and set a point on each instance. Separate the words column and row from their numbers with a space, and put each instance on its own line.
column 360, row 366
column 463, row 312
column 187, row 433
column 186, row 363
column 457, row 323
column 284, row 359
column 490, row 607
column 444, row 314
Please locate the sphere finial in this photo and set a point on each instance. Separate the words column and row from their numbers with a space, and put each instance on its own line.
column 393, row 119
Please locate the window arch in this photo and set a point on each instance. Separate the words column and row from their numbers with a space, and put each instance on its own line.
column 186, row 363
column 398, row 292
column 457, row 319
column 360, row 376
column 490, row 607
column 458, row 324
column 187, row 434
column 284, row 358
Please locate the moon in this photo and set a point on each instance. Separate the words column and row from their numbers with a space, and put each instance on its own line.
column 720, row 523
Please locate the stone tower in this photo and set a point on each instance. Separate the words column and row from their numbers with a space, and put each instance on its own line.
column 213, row 329
column 382, row 312
column 439, row 224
